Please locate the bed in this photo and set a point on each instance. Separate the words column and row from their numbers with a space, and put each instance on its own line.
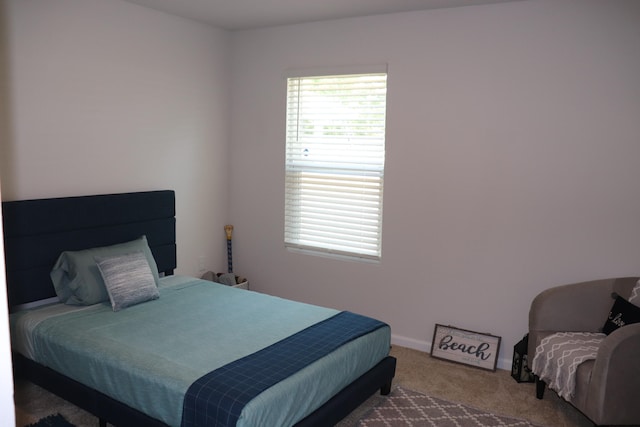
column 36, row 232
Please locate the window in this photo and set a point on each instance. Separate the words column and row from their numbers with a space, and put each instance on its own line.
column 335, row 151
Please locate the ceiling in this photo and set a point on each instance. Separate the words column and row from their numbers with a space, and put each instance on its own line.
column 248, row 14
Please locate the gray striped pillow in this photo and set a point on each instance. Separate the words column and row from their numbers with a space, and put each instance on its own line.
column 128, row 279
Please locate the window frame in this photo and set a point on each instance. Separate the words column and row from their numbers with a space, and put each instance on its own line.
column 370, row 173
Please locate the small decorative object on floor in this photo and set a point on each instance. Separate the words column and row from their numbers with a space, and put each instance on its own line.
column 405, row 407
column 520, row 370
column 228, row 279
column 52, row 421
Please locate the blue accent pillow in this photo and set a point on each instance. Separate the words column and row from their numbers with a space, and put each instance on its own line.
column 622, row 313
column 77, row 279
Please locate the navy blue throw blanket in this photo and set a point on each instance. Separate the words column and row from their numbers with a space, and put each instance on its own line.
column 217, row 398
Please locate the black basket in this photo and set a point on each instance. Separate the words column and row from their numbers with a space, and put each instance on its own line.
column 520, row 367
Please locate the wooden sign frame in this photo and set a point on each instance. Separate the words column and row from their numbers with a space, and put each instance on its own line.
column 466, row 347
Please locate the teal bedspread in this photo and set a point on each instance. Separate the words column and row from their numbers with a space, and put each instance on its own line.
column 148, row 355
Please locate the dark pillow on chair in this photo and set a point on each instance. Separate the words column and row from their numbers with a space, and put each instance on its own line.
column 622, row 313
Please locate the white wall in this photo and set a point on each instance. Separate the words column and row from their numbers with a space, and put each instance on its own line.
column 6, row 372
column 107, row 96
column 513, row 139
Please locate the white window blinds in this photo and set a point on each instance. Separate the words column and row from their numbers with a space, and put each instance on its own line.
column 335, row 152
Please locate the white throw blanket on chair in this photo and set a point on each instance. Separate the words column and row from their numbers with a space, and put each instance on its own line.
column 559, row 355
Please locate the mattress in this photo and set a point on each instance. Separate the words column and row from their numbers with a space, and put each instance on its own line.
column 148, row 355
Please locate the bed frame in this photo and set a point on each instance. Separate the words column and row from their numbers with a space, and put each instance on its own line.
column 37, row 231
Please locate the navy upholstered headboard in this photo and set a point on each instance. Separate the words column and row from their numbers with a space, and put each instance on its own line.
column 37, row 231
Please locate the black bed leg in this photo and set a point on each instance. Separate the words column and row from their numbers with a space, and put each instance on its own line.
column 540, row 386
column 385, row 389
column 102, row 422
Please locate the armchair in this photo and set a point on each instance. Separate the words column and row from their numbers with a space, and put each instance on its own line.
column 607, row 388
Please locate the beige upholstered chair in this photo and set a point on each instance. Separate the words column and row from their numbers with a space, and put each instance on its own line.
column 607, row 389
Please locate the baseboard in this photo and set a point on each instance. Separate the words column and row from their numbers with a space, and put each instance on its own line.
column 424, row 346
column 410, row 343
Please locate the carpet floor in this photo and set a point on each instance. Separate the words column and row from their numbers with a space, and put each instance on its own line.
column 408, row 408
column 494, row 392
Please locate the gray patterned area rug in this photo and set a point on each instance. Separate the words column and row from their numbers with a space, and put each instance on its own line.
column 404, row 407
